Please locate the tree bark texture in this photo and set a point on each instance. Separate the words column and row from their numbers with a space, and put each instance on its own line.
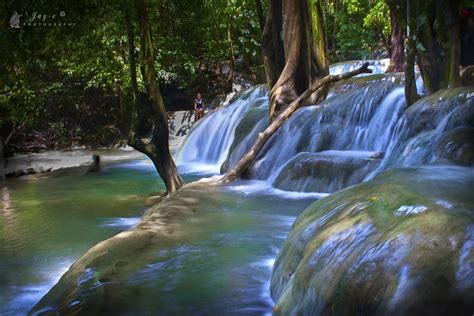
column 438, row 42
column 272, row 43
column 158, row 147
column 397, row 38
column 411, row 94
column 433, row 42
column 303, row 65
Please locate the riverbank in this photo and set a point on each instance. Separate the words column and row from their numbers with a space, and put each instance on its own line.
column 55, row 160
column 180, row 124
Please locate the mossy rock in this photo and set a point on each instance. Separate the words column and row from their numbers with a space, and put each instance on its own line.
column 402, row 243
column 254, row 121
column 93, row 285
column 457, row 146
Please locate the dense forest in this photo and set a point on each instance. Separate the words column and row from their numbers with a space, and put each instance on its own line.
column 66, row 73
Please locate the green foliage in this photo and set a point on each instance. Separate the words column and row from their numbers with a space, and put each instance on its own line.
column 49, row 65
column 59, row 132
column 19, row 105
column 356, row 28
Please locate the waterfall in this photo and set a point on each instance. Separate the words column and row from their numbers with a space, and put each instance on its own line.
column 377, row 66
column 207, row 145
column 360, row 130
column 437, row 128
column 340, row 136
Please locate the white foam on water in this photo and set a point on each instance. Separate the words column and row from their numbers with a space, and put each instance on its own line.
column 199, row 168
column 250, row 187
column 410, row 210
column 121, row 222
column 405, row 284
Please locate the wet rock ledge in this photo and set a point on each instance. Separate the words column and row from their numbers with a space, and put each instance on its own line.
column 402, row 243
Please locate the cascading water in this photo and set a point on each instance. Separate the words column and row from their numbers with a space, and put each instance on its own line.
column 360, row 130
column 208, row 144
column 377, row 66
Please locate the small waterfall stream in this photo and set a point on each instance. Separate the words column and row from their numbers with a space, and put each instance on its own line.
column 377, row 66
column 207, row 146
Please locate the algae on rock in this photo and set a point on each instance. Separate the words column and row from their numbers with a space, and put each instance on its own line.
column 401, row 243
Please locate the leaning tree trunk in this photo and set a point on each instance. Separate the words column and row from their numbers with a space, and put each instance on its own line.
column 302, row 64
column 158, row 147
column 319, row 86
column 397, row 39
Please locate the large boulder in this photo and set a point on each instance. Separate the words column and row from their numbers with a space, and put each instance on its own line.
column 402, row 243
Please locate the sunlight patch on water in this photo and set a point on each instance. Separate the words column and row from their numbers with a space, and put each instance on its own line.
column 139, row 165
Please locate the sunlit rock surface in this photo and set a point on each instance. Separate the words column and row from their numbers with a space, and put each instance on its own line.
column 92, row 284
column 402, row 243
column 207, row 250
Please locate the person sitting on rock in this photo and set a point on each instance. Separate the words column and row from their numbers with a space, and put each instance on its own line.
column 95, row 166
column 198, row 107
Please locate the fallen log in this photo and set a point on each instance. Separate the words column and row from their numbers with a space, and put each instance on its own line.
column 262, row 138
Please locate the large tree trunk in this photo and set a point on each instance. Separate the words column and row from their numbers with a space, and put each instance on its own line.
column 302, row 63
column 272, row 44
column 319, row 33
column 158, row 147
column 397, row 39
column 319, row 86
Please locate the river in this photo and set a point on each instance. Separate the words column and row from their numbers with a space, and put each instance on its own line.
column 48, row 221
